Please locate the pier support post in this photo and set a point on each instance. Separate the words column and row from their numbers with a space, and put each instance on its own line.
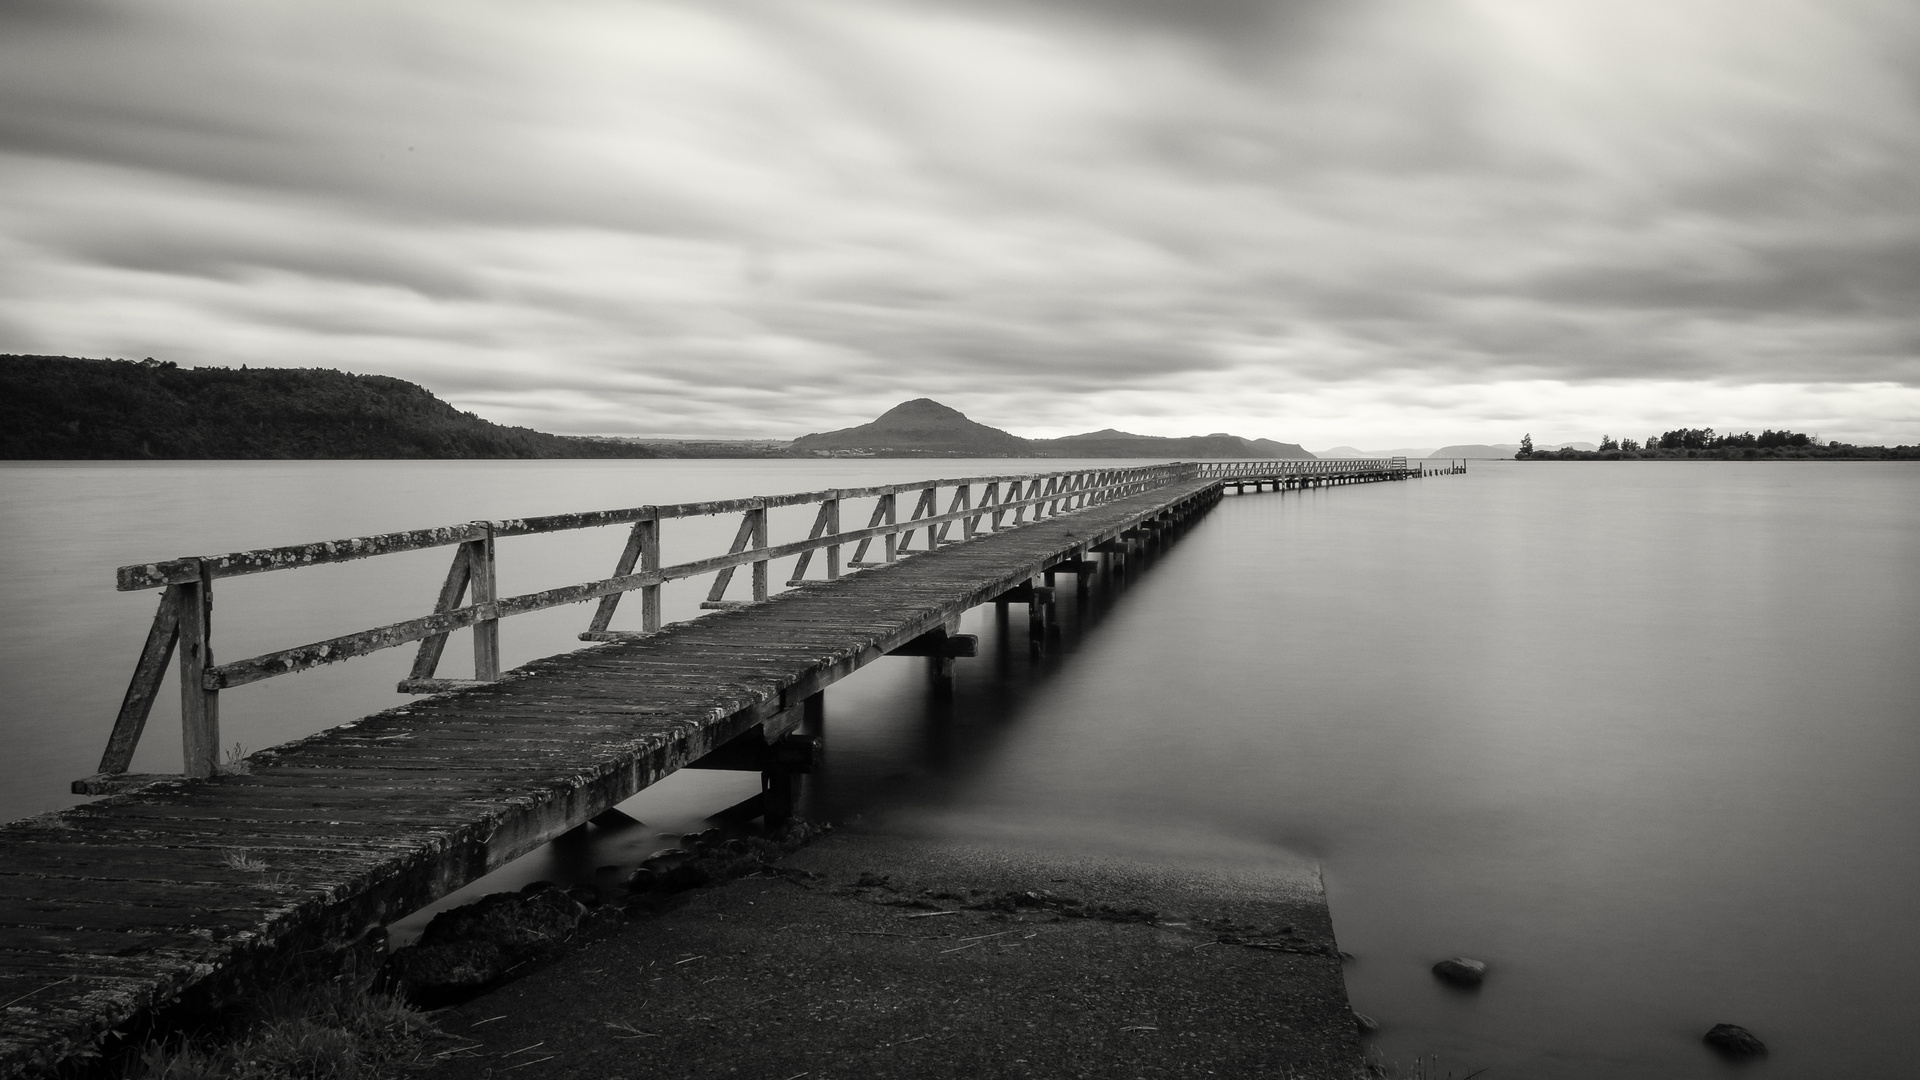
column 1040, row 616
column 788, row 758
column 778, row 793
column 940, row 646
column 940, row 666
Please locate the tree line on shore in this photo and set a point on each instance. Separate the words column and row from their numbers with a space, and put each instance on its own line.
column 1704, row 442
column 67, row 408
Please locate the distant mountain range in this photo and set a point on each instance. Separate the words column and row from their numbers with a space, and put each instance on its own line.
column 925, row 428
column 1352, row 452
column 62, row 407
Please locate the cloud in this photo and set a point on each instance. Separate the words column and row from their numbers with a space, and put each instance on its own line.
column 757, row 218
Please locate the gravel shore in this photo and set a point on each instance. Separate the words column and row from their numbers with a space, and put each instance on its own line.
column 873, row 955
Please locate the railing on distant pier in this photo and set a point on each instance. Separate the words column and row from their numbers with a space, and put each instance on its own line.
column 1228, row 470
column 184, row 618
column 1310, row 469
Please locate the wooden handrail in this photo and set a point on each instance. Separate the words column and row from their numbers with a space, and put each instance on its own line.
column 345, row 647
column 1283, row 466
column 261, row 560
column 185, row 608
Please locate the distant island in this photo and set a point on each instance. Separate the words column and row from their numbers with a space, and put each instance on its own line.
column 1683, row 444
column 68, row 408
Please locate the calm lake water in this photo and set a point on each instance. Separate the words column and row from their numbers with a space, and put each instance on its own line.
column 1642, row 736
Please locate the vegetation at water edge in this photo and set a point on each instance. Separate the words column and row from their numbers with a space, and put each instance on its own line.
column 63, row 408
column 1705, row 443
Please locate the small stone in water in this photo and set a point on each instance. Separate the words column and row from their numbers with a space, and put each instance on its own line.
column 1734, row 1041
column 1461, row 971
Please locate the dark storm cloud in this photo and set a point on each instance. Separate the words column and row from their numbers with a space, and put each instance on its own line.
column 627, row 216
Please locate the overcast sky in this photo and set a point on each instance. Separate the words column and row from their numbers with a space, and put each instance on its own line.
column 1405, row 222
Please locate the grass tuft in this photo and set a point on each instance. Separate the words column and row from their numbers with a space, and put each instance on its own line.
column 239, row 859
column 338, row 1030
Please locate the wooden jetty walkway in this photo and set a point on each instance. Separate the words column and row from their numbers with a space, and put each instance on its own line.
column 110, row 910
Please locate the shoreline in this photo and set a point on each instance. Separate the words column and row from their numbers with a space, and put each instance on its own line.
column 874, row 954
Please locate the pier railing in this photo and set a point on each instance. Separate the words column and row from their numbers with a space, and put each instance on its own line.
column 1229, row 470
column 183, row 623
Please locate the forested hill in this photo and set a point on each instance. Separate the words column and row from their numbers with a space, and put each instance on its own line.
column 57, row 407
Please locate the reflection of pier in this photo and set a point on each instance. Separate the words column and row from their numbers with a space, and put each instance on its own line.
column 114, row 908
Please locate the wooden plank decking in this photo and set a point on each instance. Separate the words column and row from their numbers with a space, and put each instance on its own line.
column 113, row 908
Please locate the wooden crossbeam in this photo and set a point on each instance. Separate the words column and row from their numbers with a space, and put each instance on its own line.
column 749, row 525
column 145, row 685
column 960, row 502
column 923, row 507
column 825, row 522
column 940, row 643
column 883, row 510
column 427, row 660
column 643, row 549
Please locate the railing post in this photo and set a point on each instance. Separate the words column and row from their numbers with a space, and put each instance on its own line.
column 648, row 533
column 930, row 502
column 759, row 518
column 484, row 590
column 832, row 509
column 199, row 706
column 963, row 500
column 887, row 511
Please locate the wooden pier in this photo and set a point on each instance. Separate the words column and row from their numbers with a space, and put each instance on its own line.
column 1300, row 474
column 112, row 909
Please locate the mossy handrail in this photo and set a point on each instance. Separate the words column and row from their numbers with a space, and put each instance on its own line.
column 183, row 620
